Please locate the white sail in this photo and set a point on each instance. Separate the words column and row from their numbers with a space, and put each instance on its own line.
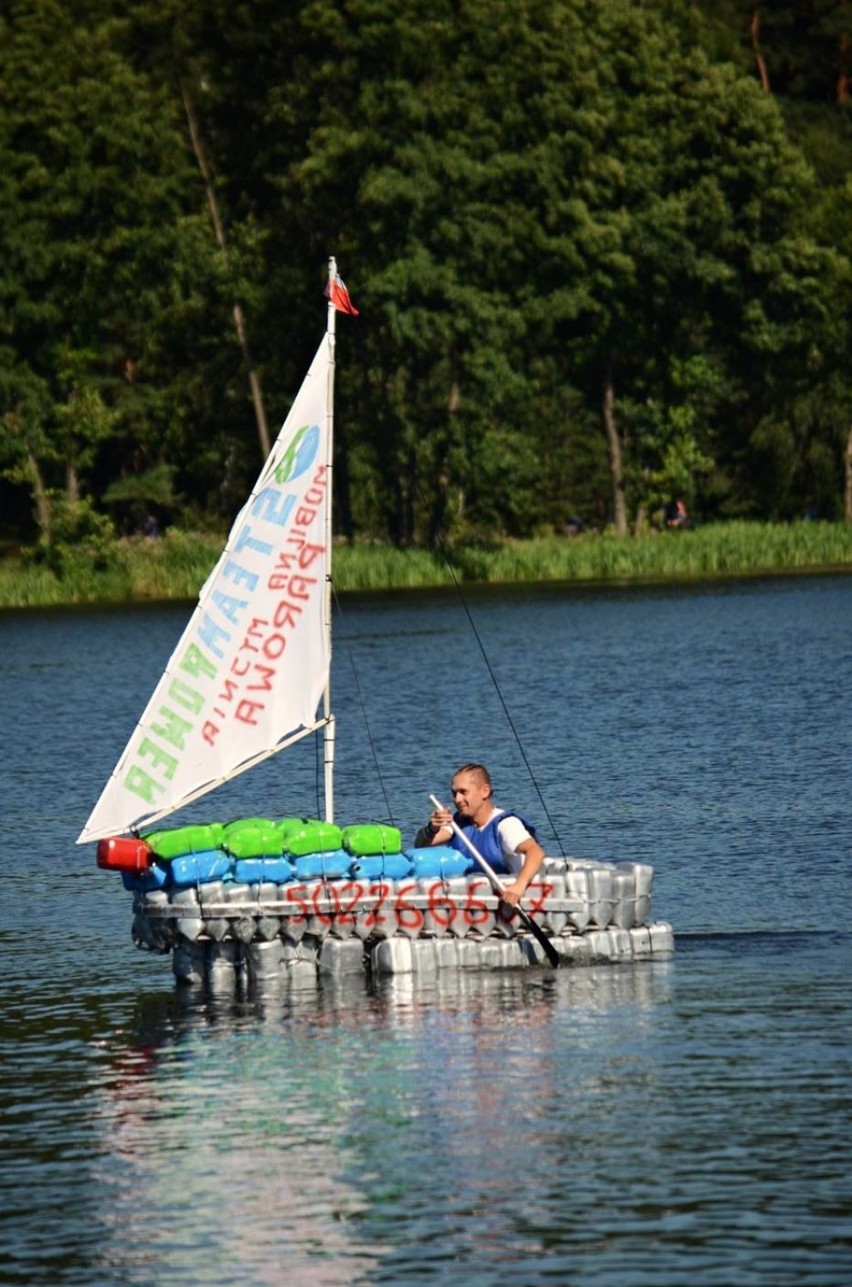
column 248, row 673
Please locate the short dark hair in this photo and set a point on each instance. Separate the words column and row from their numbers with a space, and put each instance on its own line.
column 480, row 771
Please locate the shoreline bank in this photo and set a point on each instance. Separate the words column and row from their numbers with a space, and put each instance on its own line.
column 175, row 566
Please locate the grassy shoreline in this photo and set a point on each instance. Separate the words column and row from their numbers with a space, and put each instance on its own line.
column 176, row 566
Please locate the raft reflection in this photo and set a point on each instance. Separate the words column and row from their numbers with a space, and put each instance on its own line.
column 280, row 1136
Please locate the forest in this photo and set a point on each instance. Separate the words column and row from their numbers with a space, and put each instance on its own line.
column 601, row 255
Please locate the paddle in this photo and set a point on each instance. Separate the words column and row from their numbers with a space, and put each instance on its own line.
column 547, row 947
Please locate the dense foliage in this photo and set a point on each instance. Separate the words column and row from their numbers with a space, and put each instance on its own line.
column 602, row 256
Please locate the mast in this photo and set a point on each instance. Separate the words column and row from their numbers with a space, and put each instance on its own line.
column 328, row 731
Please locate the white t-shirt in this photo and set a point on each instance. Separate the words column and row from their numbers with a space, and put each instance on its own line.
column 511, row 833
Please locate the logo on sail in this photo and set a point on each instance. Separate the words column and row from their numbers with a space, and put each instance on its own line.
column 300, row 454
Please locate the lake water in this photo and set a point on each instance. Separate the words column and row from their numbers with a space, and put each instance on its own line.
column 681, row 1122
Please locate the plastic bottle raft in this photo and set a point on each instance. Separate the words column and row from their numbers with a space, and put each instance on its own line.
column 276, row 898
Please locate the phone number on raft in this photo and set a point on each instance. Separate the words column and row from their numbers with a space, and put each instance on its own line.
column 371, row 904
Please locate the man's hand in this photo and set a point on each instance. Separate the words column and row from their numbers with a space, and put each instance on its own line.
column 439, row 819
column 512, row 894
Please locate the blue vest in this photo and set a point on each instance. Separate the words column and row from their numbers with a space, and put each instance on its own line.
column 487, row 841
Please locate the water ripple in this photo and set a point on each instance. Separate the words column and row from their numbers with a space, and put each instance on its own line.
column 681, row 1122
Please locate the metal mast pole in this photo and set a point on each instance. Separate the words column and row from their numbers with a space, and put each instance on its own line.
column 328, row 733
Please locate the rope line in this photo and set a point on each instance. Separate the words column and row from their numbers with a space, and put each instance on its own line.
column 499, row 693
column 364, row 716
column 494, row 680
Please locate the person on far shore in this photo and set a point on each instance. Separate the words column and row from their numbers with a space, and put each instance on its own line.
column 505, row 839
column 676, row 514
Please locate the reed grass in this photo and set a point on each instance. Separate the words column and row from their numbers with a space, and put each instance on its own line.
column 382, row 567
column 176, row 566
column 737, row 548
column 173, row 567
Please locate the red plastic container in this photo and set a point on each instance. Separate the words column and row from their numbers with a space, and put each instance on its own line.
column 125, row 854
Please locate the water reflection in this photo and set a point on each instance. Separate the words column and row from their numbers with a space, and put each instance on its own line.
column 280, row 1136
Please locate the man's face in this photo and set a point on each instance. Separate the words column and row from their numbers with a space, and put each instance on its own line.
column 469, row 793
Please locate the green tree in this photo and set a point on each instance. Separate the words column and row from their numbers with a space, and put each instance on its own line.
column 95, row 179
column 577, row 188
column 699, row 200
column 592, row 264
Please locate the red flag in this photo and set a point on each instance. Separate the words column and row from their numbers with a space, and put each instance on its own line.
column 336, row 291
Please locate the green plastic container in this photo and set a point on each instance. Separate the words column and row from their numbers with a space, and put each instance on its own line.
column 312, row 837
column 177, row 842
column 259, row 837
column 286, row 825
column 235, row 827
column 262, row 840
column 369, row 838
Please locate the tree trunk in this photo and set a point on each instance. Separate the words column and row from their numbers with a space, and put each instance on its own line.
column 42, row 501
column 847, row 478
column 762, row 71
column 843, row 79
column 616, row 468
column 72, row 484
column 403, row 534
column 219, row 228
column 438, row 509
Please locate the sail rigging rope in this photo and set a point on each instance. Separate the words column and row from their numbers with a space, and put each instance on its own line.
column 363, row 708
column 499, row 692
column 366, row 721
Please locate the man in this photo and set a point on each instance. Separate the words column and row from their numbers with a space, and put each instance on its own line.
column 506, row 840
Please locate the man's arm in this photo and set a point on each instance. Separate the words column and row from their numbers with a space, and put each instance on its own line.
column 533, row 856
column 437, row 830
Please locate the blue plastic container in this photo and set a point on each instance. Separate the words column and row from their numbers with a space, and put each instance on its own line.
column 375, row 866
column 440, row 861
column 252, row 870
column 330, row 865
column 143, row 882
column 197, row 869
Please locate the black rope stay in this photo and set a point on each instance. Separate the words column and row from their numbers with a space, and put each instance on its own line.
column 362, row 705
column 499, row 693
column 494, row 680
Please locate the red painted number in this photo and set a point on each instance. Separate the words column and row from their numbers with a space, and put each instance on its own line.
column 475, row 911
column 408, row 917
column 346, row 914
column 381, row 891
column 325, row 918
column 441, row 907
column 296, row 894
column 539, row 891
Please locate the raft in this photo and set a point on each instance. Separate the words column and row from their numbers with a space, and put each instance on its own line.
column 272, row 897
column 333, row 911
